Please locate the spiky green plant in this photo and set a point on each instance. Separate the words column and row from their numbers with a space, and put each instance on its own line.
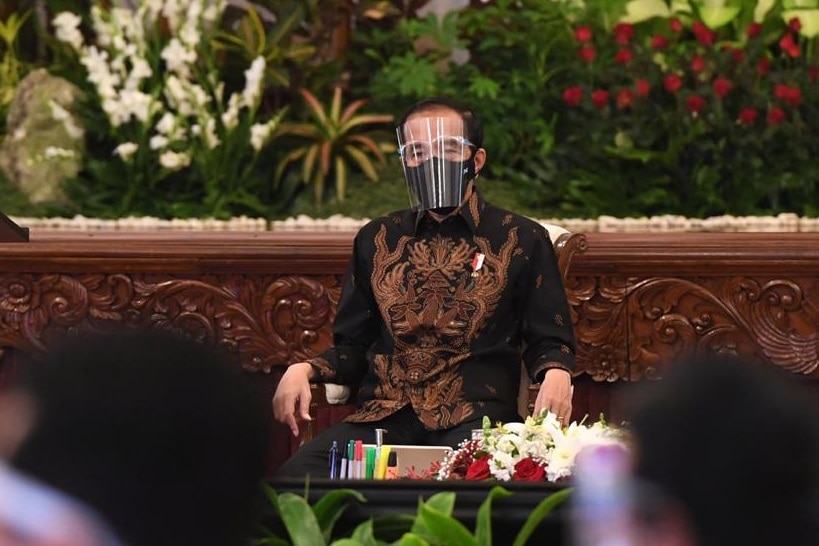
column 333, row 142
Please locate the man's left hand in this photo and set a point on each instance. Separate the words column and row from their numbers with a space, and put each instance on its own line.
column 555, row 394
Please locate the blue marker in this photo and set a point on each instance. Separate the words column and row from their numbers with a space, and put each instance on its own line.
column 334, row 460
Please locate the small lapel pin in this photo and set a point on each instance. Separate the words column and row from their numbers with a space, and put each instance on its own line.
column 477, row 263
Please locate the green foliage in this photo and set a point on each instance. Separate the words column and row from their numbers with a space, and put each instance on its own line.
column 512, row 60
column 332, row 143
column 432, row 525
column 248, row 36
column 706, row 132
column 11, row 68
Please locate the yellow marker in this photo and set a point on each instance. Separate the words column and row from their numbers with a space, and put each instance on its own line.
column 381, row 463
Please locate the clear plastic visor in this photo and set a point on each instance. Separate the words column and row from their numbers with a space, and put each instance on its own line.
column 435, row 155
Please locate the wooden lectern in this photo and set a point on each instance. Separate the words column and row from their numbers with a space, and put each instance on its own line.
column 11, row 232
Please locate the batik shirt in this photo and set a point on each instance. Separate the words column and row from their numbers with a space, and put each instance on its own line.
column 439, row 315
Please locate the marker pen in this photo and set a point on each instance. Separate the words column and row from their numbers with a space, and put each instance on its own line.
column 379, row 442
column 350, row 459
column 370, row 463
column 342, row 473
column 359, row 464
column 334, row 460
column 381, row 463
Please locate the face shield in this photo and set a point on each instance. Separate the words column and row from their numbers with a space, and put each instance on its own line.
column 438, row 161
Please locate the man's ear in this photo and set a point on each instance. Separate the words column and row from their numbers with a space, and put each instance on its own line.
column 480, row 160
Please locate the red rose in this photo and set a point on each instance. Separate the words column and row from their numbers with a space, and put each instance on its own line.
column 658, row 41
column 573, row 95
column 527, row 470
column 792, row 96
column 813, row 72
column 697, row 64
column 703, row 34
column 675, row 24
column 695, row 104
column 623, row 56
column 722, row 86
column 763, row 66
column 788, row 46
column 583, row 34
column 479, row 469
column 776, row 116
column 624, row 98
column 737, row 55
column 588, row 53
column 600, row 98
column 747, row 116
column 672, row 83
column 623, row 32
column 795, row 24
column 643, row 87
column 753, row 30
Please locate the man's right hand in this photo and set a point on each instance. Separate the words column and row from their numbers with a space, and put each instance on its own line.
column 291, row 402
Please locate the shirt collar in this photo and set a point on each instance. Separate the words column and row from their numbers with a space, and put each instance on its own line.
column 470, row 212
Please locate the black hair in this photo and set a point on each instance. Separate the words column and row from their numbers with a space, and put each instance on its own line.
column 736, row 445
column 162, row 436
column 473, row 126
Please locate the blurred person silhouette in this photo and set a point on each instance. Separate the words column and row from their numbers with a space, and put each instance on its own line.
column 162, row 437
column 33, row 514
column 727, row 452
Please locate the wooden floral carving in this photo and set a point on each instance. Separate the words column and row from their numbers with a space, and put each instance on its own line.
column 266, row 321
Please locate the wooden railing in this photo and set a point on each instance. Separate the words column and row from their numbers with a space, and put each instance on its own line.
column 637, row 300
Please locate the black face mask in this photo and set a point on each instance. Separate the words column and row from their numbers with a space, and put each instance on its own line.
column 439, row 183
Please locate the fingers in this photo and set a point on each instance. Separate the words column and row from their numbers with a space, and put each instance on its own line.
column 555, row 395
column 291, row 402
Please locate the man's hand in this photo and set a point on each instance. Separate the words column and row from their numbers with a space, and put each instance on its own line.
column 555, row 394
column 293, row 396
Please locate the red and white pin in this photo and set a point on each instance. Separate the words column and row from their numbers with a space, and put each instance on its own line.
column 477, row 263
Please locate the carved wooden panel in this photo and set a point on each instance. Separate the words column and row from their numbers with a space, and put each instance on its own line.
column 600, row 323
column 770, row 319
column 641, row 300
column 265, row 320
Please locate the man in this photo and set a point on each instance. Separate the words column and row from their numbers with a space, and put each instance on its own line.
column 440, row 304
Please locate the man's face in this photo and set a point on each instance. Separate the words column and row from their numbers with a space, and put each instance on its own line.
column 445, row 137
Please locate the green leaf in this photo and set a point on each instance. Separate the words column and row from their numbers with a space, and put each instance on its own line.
column 330, row 507
column 300, row 521
column 541, row 511
column 362, row 161
column 483, row 525
column 363, row 534
column 411, row 539
column 341, row 178
column 444, row 528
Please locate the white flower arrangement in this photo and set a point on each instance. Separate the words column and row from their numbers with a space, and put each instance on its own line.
column 539, row 449
column 154, row 73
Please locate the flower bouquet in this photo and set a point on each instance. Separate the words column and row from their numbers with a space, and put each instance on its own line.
column 537, row 450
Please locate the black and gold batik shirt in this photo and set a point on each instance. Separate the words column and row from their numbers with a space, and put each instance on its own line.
column 439, row 315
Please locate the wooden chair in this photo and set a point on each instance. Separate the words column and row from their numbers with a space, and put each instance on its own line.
column 330, row 405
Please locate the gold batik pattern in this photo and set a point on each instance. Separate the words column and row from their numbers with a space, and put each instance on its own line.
column 433, row 306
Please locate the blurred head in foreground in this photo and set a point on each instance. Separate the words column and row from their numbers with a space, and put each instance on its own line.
column 728, row 453
column 162, row 437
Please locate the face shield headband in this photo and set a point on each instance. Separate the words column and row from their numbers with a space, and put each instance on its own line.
column 438, row 161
